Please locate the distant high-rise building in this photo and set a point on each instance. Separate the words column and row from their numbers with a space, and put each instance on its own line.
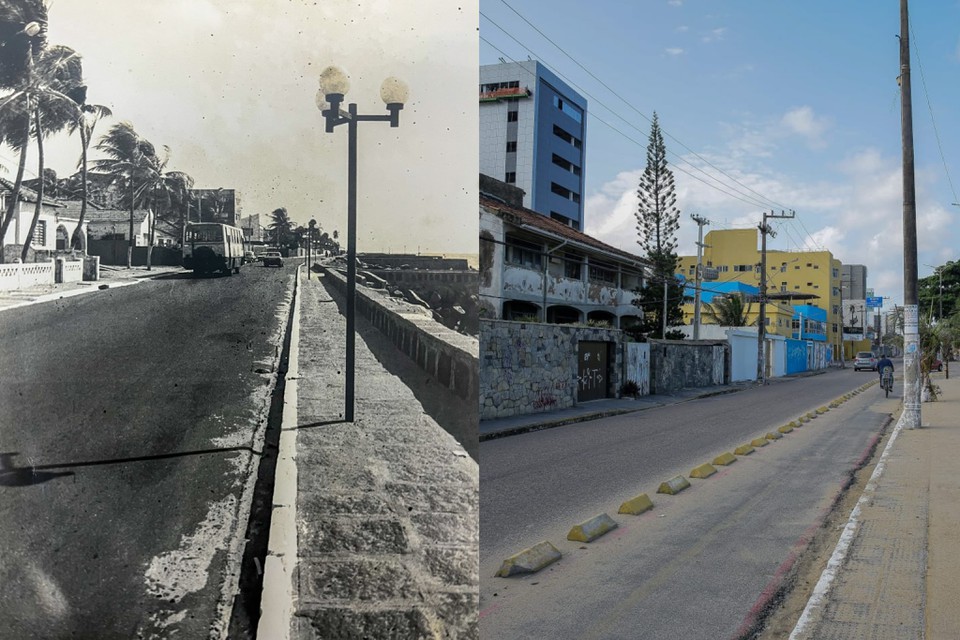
column 533, row 129
column 854, row 281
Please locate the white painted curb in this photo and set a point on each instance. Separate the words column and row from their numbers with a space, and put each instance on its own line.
column 278, row 599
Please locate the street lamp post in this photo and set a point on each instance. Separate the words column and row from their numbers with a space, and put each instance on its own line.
column 333, row 85
column 311, row 226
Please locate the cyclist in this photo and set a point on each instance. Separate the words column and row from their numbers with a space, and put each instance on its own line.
column 883, row 363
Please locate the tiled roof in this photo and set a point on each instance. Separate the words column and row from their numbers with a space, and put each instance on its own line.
column 116, row 215
column 71, row 208
column 26, row 193
column 526, row 217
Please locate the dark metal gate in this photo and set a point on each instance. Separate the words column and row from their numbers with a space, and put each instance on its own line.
column 592, row 371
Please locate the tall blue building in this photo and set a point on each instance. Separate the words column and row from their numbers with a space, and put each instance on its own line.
column 533, row 130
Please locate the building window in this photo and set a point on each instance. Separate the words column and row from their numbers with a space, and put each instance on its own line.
column 512, row 116
column 836, row 274
column 522, row 253
column 511, row 146
column 602, row 275
column 567, row 108
column 40, row 233
column 510, row 177
column 571, row 266
column 566, row 137
column 566, row 165
column 559, row 217
column 563, row 192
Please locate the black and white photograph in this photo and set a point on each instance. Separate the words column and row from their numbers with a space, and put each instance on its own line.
column 238, row 319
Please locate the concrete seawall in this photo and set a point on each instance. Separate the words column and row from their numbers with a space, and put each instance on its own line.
column 448, row 356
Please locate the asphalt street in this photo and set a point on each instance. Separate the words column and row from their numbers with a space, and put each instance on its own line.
column 128, row 419
column 697, row 563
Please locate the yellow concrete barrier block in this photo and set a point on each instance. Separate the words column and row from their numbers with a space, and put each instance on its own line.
column 812, row 415
column 794, row 423
column 773, row 435
column 703, row 471
column 785, row 429
column 744, row 450
column 529, row 560
column 822, row 410
column 636, row 506
column 759, row 442
column 592, row 529
column 724, row 459
column 674, row 485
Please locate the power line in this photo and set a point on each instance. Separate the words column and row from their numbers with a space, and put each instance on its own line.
column 933, row 121
column 763, row 202
column 626, row 102
column 746, row 198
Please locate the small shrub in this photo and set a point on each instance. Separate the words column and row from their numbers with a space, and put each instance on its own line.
column 630, row 388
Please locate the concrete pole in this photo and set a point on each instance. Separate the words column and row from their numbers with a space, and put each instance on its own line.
column 762, row 318
column 911, row 319
column 699, row 276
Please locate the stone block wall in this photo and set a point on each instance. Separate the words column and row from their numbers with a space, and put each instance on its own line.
column 532, row 367
column 682, row 364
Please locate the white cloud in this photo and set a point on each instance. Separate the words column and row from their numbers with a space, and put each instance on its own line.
column 715, row 35
column 675, row 3
column 674, row 51
column 803, row 122
column 856, row 215
column 683, row 28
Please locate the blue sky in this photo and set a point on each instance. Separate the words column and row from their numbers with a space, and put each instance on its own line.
column 790, row 105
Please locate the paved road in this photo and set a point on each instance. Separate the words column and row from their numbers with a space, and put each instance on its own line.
column 127, row 418
column 696, row 564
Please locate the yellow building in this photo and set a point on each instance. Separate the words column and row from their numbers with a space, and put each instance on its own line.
column 735, row 255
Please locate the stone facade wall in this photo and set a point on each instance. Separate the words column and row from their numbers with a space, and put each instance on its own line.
column 681, row 364
column 532, row 367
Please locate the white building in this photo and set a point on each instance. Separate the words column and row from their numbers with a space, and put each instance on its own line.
column 535, row 268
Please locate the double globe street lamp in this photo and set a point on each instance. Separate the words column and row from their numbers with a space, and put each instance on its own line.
column 334, row 84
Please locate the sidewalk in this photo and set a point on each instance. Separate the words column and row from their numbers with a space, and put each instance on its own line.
column 387, row 507
column 900, row 574
column 110, row 277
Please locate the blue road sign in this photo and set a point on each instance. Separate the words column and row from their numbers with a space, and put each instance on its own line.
column 875, row 302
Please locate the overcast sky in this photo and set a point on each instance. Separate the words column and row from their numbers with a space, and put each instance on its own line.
column 229, row 86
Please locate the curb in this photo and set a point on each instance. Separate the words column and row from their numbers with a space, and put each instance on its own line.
column 278, row 598
column 540, row 426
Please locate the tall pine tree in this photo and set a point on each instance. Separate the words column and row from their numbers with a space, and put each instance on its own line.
column 658, row 220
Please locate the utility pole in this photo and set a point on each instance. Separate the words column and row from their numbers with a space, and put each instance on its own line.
column 911, row 324
column 762, row 320
column 842, row 363
column 699, row 277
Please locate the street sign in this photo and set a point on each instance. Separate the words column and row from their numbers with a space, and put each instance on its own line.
column 710, row 273
column 875, row 302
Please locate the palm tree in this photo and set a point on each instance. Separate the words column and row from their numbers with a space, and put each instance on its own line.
column 131, row 163
column 56, row 83
column 87, row 118
column 281, row 225
column 170, row 190
column 728, row 310
column 37, row 79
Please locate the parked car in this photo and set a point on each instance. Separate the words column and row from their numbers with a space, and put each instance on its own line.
column 272, row 259
column 249, row 256
column 937, row 365
column 865, row 360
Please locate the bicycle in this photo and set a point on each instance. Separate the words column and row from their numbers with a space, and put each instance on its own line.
column 886, row 381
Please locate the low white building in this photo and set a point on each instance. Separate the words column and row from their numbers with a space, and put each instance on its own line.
column 535, row 268
column 54, row 227
column 114, row 224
